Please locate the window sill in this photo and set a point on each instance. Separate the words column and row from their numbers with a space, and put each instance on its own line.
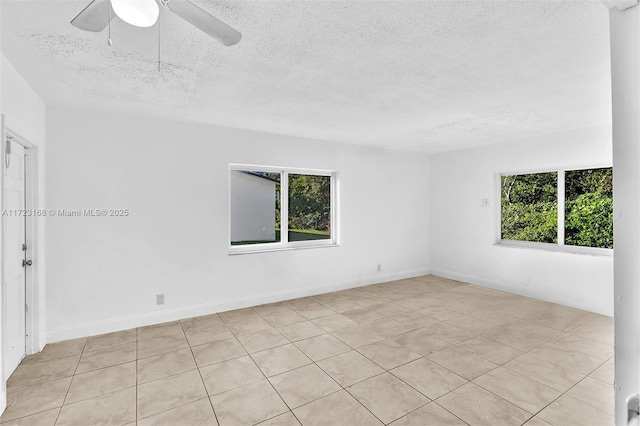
column 236, row 250
column 590, row 251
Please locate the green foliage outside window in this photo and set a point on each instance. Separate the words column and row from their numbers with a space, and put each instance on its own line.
column 530, row 207
column 589, row 208
column 310, row 206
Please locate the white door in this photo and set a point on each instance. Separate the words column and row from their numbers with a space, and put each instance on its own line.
column 14, row 256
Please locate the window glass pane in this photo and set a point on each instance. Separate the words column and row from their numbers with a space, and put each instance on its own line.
column 255, row 207
column 309, row 207
column 530, row 207
column 589, row 208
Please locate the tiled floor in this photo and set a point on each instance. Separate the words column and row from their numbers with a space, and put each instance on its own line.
column 420, row 351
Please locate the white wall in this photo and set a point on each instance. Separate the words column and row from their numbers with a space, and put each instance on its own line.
column 252, row 206
column 24, row 114
column 104, row 273
column 463, row 232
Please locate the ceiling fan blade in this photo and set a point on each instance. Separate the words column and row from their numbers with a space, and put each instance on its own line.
column 206, row 22
column 94, row 17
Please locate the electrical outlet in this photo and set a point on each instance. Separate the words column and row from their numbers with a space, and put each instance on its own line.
column 379, row 267
column 160, row 299
column 485, row 202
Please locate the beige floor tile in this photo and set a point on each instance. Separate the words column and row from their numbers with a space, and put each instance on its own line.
column 322, row 347
column 40, row 372
column 335, row 409
column 314, row 311
column 284, row 316
column 160, row 330
column 349, row 368
column 265, row 339
column 387, row 397
column 463, row 363
column 222, row 350
column 475, row 325
column 519, row 390
column 341, row 306
column 101, row 382
column 363, row 315
column 214, row 333
column 605, row 373
column 437, row 312
column 563, row 318
column 532, row 304
column 477, row 406
column 490, row 350
column 388, row 354
column 57, row 350
column 595, row 393
column 303, row 385
column 333, row 323
column 300, row 330
column 248, row 325
column 546, row 372
column 450, row 333
column 594, row 349
column 111, row 339
column 46, row 418
column 249, row 404
column 30, row 400
column 599, row 329
column 164, row 365
column 419, row 329
column 536, row 421
column 523, row 335
column 118, row 408
column 577, row 361
column 204, row 321
column 286, row 419
column 278, row 360
column 238, row 314
column 159, row 345
column 492, row 315
column 389, row 309
column 428, row 378
column 195, row 413
column 430, row 414
column 421, row 342
column 107, row 357
column 230, row 374
column 170, row 392
column 389, row 327
column 569, row 411
column 357, row 336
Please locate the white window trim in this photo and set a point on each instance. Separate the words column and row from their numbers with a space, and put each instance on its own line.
column 560, row 246
column 284, row 244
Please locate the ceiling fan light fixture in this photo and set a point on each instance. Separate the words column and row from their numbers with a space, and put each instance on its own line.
column 139, row 13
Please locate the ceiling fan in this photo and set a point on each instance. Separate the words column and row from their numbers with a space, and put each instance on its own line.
column 144, row 13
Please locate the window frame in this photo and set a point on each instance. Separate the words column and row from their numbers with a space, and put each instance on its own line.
column 560, row 246
column 284, row 243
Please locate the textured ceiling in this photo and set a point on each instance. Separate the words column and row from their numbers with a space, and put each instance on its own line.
column 416, row 75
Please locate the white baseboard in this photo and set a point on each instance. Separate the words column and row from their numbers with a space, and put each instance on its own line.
column 124, row 323
column 575, row 301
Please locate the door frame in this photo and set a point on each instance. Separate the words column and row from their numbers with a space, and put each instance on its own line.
column 32, row 295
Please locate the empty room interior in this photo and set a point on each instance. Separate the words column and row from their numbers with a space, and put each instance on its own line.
column 320, row 213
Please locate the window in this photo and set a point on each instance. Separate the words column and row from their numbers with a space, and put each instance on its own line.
column 564, row 207
column 262, row 199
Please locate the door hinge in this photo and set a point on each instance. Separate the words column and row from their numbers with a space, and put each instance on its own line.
column 24, row 247
column 26, row 308
column 633, row 410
